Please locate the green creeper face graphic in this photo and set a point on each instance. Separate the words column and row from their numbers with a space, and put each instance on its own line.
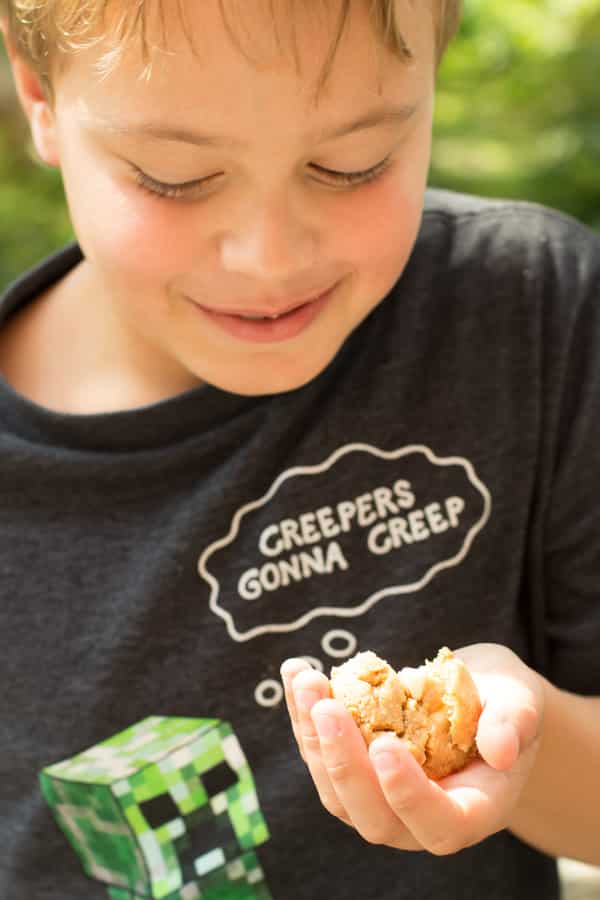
column 166, row 810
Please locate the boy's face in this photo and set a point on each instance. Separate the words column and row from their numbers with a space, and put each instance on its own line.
column 271, row 229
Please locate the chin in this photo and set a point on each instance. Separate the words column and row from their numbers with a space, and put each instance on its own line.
column 272, row 380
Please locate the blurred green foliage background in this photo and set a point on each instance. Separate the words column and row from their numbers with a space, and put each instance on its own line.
column 518, row 115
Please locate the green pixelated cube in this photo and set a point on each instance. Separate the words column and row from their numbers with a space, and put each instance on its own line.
column 241, row 880
column 165, row 810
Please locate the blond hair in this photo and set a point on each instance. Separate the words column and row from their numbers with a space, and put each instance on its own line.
column 42, row 30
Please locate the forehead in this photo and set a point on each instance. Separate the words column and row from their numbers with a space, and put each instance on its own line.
column 230, row 50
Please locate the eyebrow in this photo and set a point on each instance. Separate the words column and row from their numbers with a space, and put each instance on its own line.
column 158, row 131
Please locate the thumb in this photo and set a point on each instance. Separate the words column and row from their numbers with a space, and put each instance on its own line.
column 513, row 698
column 508, row 725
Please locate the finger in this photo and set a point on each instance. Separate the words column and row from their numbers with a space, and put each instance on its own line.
column 446, row 816
column 289, row 670
column 513, row 700
column 498, row 743
column 308, row 688
column 436, row 820
column 509, row 722
column 486, row 796
column 350, row 773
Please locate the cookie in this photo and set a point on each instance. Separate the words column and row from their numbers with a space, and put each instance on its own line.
column 434, row 708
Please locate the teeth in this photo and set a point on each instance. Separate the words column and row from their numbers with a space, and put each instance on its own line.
column 259, row 318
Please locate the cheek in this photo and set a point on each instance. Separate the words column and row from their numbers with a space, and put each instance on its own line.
column 124, row 231
column 377, row 234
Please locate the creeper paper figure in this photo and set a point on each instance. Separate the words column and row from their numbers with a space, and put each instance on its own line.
column 165, row 810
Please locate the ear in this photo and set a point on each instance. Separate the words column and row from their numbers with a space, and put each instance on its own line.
column 34, row 101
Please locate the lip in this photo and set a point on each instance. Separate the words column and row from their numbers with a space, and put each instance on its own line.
column 289, row 324
column 269, row 312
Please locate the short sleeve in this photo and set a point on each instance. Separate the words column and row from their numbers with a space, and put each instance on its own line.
column 571, row 526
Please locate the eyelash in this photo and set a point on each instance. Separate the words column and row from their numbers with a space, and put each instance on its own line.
column 181, row 191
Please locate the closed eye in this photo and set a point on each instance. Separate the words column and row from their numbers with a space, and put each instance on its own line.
column 186, row 189
column 357, row 177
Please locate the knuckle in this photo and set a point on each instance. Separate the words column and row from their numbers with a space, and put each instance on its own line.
column 529, row 723
column 295, row 726
column 297, row 736
column 302, row 754
column 340, row 773
column 405, row 803
column 333, row 806
column 310, row 742
column 374, row 835
column 443, row 845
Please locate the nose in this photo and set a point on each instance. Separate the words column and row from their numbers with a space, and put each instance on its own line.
column 271, row 243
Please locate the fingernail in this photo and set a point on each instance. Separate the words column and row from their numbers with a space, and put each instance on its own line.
column 287, row 674
column 328, row 727
column 306, row 699
column 385, row 761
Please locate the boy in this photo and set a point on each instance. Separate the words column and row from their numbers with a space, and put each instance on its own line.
column 281, row 402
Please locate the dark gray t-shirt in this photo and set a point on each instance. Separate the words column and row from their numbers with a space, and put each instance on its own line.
column 437, row 484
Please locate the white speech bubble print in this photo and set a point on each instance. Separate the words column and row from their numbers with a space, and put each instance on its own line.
column 332, row 640
column 269, row 693
column 383, row 526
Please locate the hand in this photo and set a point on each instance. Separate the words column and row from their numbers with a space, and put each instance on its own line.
column 383, row 793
